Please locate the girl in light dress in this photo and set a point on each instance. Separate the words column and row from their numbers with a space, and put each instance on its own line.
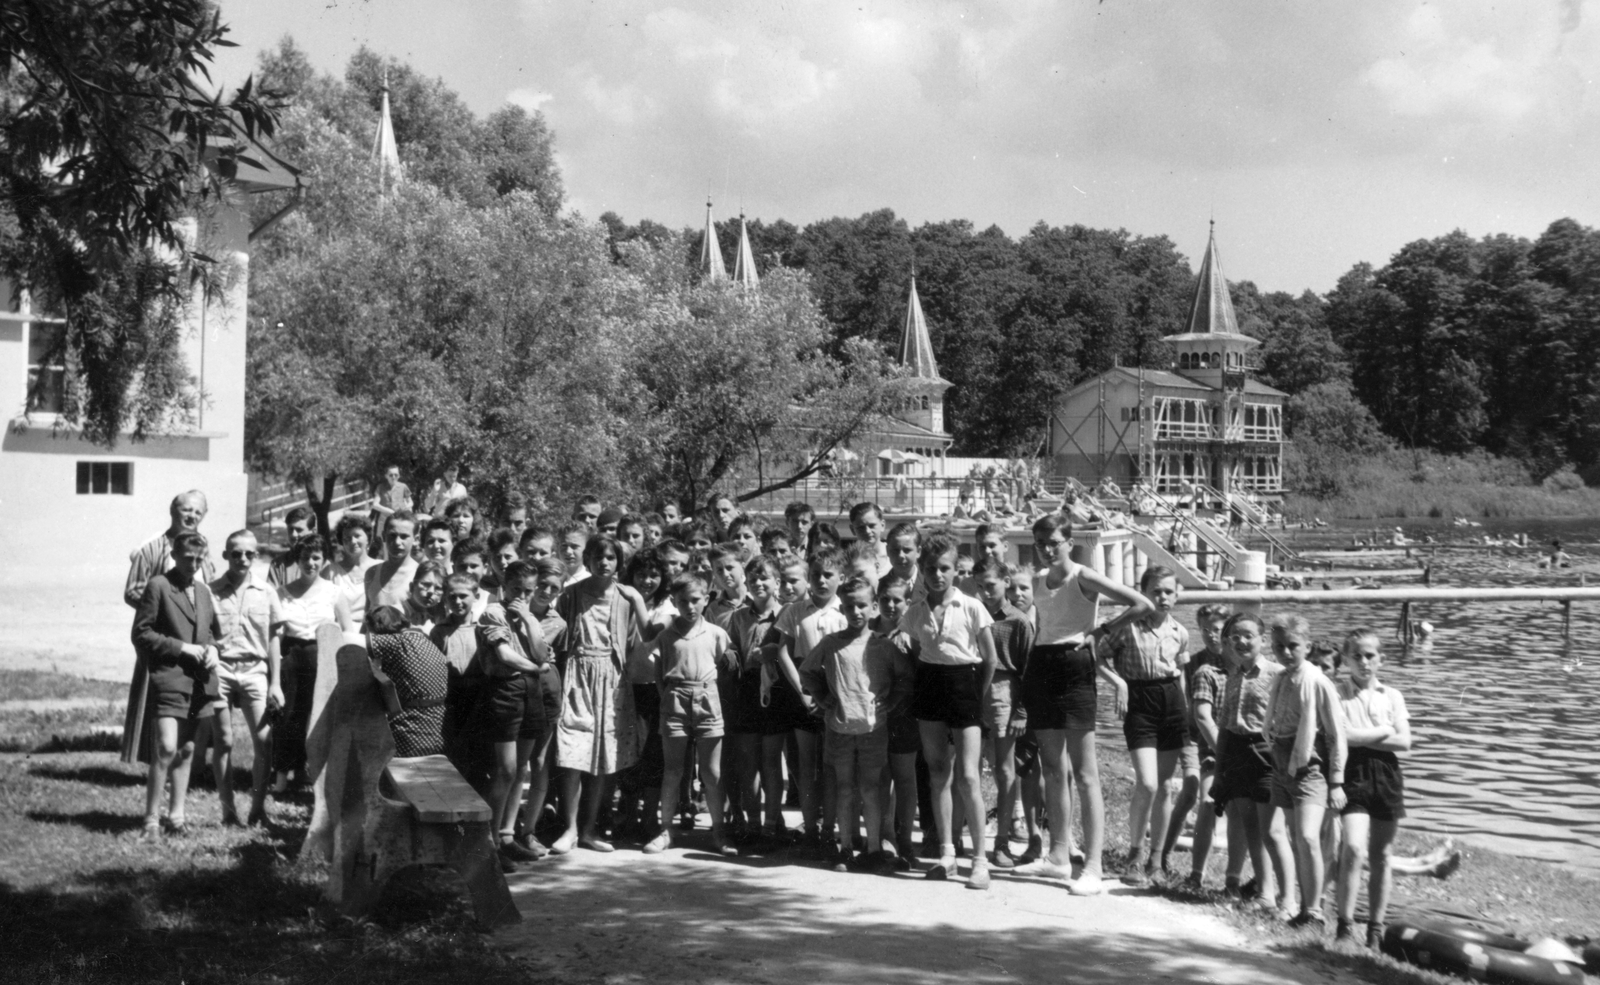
column 598, row 731
column 307, row 602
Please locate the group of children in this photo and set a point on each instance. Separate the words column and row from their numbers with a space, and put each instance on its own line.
column 618, row 651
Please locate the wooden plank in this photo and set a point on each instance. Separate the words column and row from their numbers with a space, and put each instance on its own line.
column 436, row 791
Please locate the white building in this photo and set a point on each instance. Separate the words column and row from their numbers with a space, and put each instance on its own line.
column 71, row 511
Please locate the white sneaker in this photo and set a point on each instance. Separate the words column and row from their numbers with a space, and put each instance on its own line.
column 1087, row 884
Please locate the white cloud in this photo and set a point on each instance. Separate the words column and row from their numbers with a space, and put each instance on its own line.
column 531, row 100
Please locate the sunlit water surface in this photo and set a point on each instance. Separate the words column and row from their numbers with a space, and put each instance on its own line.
column 1504, row 711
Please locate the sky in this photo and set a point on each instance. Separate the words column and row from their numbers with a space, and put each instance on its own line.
column 1317, row 135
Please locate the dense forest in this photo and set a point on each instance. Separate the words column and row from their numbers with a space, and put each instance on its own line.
column 1456, row 346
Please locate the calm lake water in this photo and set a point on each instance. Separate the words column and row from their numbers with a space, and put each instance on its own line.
column 1505, row 712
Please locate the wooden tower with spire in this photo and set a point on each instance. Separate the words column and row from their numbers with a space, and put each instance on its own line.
column 1205, row 422
column 384, row 150
column 712, row 267
column 924, row 406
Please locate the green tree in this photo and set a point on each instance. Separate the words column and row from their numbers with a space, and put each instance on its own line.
column 110, row 143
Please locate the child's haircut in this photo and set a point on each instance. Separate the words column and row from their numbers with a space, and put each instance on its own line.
column 796, row 510
column 698, row 558
column 762, row 564
column 385, row 620
column 632, row 520
column 669, row 545
column 569, row 527
column 1153, row 575
column 301, row 514
column 515, row 500
column 467, row 548
column 720, row 551
column 859, row 512
column 859, row 551
column 648, row 561
column 740, row 522
column 687, row 580
column 1242, row 617
column 688, row 531
column 982, row 531
column 533, row 532
column 404, row 516
column 1292, row 626
column 826, row 535
column 547, row 567
column 587, row 499
column 1326, row 656
column 651, row 519
column 304, row 545
column 439, row 523
column 190, row 540
column 770, row 538
column 935, row 547
column 427, row 568
column 462, row 504
column 1355, row 636
column 1050, row 523
column 988, row 566
column 891, row 580
column 601, row 543
column 517, row 572
column 461, row 581
column 796, row 561
column 349, row 522
column 828, row 558
column 854, row 584
column 501, row 537
column 905, row 529
column 1211, row 611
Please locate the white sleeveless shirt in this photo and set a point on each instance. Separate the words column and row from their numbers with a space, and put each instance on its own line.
column 1065, row 614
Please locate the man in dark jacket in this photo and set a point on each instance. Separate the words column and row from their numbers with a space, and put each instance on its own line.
column 175, row 633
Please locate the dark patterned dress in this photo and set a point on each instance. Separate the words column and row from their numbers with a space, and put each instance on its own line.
column 419, row 672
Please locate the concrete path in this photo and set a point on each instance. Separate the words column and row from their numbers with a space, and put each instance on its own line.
column 690, row 916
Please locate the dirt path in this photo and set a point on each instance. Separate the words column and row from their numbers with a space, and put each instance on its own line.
column 689, row 916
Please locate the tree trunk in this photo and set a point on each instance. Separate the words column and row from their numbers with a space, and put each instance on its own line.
column 321, row 505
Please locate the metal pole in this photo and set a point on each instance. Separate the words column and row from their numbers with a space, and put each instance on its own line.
column 1374, row 596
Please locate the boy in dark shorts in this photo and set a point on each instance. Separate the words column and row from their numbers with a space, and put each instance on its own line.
column 1004, row 717
column 1204, row 676
column 1144, row 662
column 514, row 654
column 689, row 655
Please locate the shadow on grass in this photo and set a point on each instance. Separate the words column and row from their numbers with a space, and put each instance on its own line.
column 104, row 776
column 103, row 822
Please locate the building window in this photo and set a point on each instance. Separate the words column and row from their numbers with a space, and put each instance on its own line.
column 105, row 478
column 47, row 370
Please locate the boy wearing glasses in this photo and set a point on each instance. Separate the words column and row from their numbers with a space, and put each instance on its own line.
column 251, row 621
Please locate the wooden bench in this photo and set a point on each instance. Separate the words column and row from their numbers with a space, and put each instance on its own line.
column 375, row 814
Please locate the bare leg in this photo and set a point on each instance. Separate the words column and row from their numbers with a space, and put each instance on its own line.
column 772, row 777
column 968, row 765
column 806, row 778
column 673, row 747
column 1382, row 877
column 1161, row 806
column 221, row 724
column 261, row 761
column 1086, row 770
column 711, row 779
column 181, row 761
column 1305, row 835
column 594, row 790
column 1003, row 749
column 1187, row 797
column 1352, row 862
column 747, row 754
column 936, row 750
column 1205, row 826
column 165, row 741
column 571, row 791
column 1053, row 761
column 538, row 783
column 1275, row 841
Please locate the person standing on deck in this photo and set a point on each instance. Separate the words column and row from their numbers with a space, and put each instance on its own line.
column 154, row 557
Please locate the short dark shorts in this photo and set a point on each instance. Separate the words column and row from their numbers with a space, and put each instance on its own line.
column 1058, row 688
column 949, row 694
column 787, row 713
column 1244, row 770
column 1156, row 716
column 1373, row 785
column 513, row 709
column 1027, row 753
column 905, row 736
column 175, row 693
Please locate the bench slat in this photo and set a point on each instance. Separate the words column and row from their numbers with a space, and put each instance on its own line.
column 436, row 791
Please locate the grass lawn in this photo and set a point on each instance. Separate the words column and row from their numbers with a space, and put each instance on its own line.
column 83, row 900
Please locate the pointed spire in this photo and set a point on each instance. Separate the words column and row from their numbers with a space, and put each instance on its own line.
column 744, row 263
column 383, row 146
column 711, row 265
column 916, row 345
column 1212, row 309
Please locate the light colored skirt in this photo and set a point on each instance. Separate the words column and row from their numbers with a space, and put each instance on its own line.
column 598, row 731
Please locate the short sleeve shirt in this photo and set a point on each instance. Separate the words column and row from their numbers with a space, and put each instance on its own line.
column 1144, row 653
column 1372, row 707
column 246, row 614
column 948, row 634
column 691, row 657
column 806, row 623
column 1245, row 696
